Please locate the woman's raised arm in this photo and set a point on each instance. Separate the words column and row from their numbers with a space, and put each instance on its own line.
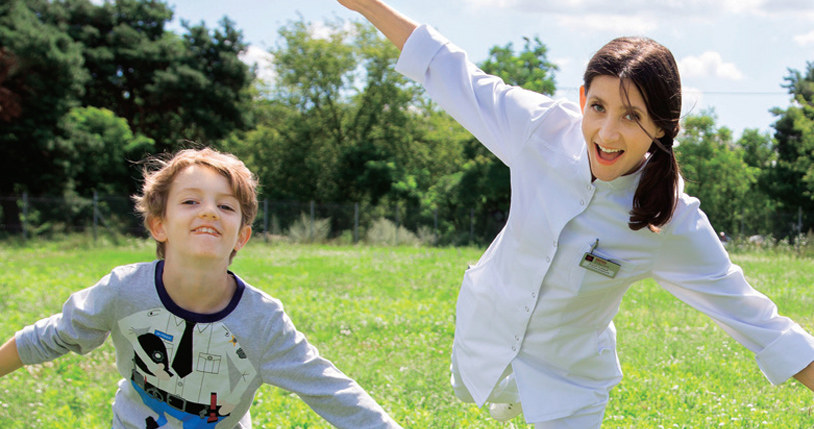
column 394, row 25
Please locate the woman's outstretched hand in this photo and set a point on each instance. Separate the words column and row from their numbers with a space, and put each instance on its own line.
column 389, row 21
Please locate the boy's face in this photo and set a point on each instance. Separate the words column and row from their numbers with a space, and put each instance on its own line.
column 202, row 220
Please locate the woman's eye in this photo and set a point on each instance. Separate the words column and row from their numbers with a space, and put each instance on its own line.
column 632, row 117
column 598, row 107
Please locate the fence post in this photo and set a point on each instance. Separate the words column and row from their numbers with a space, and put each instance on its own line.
column 799, row 219
column 471, row 225
column 311, row 227
column 95, row 213
column 435, row 225
column 266, row 220
column 397, row 225
column 355, row 223
column 25, row 216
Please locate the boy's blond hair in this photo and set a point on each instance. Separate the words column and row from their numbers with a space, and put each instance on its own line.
column 159, row 175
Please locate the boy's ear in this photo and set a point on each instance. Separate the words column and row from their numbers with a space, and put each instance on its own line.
column 243, row 237
column 582, row 98
column 156, row 226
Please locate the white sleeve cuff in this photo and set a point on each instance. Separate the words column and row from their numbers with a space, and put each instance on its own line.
column 787, row 355
column 418, row 52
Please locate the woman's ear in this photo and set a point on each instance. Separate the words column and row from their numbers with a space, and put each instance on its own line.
column 582, row 98
column 660, row 133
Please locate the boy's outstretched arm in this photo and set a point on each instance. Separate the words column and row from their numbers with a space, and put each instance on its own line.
column 9, row 357
column 806, row 376
column 395, row 26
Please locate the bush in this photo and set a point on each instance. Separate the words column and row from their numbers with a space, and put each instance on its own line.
column 304, row 231
column 384, row 232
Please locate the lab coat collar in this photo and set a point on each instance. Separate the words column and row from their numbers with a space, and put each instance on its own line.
column 621, row 183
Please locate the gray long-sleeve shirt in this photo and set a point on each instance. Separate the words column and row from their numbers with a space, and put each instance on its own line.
column 183, row 369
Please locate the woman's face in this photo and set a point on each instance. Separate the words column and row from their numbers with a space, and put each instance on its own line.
column 618, row 134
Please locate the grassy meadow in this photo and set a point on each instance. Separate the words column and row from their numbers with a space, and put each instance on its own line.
column 385, row 316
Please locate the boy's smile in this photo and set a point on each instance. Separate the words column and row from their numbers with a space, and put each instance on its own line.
column 202, row 220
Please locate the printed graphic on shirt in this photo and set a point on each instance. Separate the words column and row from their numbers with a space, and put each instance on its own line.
column 193, row 372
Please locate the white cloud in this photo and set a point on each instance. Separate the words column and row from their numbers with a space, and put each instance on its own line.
column 325, row 30
column 805, row 39
column 709, row 64
column 663, row 9
column 562, row 62
column 258, row 56
column 620, row 24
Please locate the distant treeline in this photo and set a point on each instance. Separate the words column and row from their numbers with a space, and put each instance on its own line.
column 88, row 91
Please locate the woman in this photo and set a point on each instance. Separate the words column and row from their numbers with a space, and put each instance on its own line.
column 597, row 204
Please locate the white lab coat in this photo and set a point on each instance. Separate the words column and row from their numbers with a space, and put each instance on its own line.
column 527, row 303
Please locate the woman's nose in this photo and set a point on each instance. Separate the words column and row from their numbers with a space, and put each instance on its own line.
column 609, row 130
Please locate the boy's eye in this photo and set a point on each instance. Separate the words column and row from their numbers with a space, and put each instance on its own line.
column 189, row 202
column 227, row 207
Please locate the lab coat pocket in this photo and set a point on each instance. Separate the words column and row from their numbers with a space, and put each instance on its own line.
column 476, row 302
column 608, row 364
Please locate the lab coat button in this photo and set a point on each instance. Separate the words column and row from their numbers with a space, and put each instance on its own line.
column 582, row 202
column 517, row 337
column 555, row 243
column 514, row 348
column 548, row 258
column 526, row 308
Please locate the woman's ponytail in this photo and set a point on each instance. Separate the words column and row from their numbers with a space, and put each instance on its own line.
column 655, row 198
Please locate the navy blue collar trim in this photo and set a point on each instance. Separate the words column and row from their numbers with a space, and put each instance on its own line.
column 189, row 315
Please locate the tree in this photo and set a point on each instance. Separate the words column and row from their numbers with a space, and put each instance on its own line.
column 170, row 88
column 759, row 213
column 715, row 171
column 335, row 126
column 101, row 152
column 43, row 80
column 529, row 68
column 792, row 178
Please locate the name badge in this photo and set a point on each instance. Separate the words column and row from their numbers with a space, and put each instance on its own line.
column 591, row 261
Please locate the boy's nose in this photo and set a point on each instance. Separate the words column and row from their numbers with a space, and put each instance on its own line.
column 208, row 210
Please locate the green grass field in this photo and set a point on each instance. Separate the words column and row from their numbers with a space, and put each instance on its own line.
column 385, row 316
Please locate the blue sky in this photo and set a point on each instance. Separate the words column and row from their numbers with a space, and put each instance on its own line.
column 733, row 54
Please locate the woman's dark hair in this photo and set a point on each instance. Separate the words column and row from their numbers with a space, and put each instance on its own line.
column 652, row 69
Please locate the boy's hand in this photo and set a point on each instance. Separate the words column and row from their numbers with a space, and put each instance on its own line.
column 806, row 376
column 9, row 357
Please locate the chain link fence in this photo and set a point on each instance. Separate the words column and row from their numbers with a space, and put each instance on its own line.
column 303, row 222
column 290, row 221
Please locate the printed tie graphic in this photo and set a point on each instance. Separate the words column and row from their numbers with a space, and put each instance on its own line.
column 182, row 364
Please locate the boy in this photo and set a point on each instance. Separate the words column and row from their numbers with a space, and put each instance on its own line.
column 193, row 341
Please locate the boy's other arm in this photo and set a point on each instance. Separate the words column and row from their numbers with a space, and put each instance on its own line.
column 806, row 376
column 395, row 26
column 9, row 357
